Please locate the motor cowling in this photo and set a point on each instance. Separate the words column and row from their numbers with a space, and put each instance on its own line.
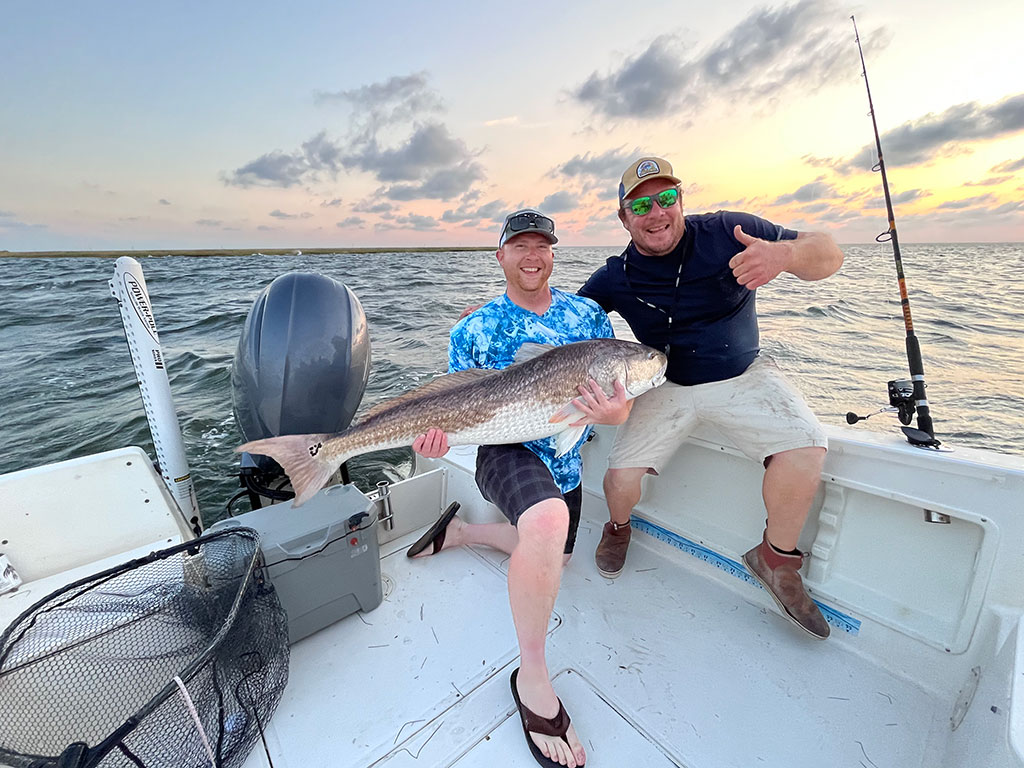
column 302, row 360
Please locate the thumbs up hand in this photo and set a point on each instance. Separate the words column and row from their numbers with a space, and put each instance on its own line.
column 760, row 261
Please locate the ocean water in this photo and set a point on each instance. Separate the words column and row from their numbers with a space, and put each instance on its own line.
column 67, row 386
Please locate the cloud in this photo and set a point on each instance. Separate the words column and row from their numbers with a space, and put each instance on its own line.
column 601, row 171
column 727, row 205
column 97, row 188
column 430, row 163
column 605, row 219
column 366, row 206
column 265, row 228
column 443, row 184
column 279, row 214
column 286, row 169
column 1010, row 207
column 511, row 120
column 331, row 203
column 910, row 194
column 820, row 162
column 9, row 221
column 415, row 221
column 1010, row 166
column 769, row 52
column 493, row 212
column 651, row 84
column 353, row 222
column 322, row 154
column 209, row 222
column 377, row 105
column 274, row 169
column 452, row 216
column 837, row 215
column 430, row 147
column 559, row 202
column 967, row 202
column 411, row 221
column 877, row 202
column 163, row 201
column 991, row 181
column 816, row 190
column 920, row 140
column 815, row 208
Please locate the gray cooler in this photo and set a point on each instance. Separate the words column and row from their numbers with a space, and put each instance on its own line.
column 323, row 558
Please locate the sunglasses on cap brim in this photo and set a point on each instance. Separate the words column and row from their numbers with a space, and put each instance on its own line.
column 523, row 222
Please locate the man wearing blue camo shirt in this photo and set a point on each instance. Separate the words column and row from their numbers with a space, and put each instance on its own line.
column 491, row 336
column 538, row 493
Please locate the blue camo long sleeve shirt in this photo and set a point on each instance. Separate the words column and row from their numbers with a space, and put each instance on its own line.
column 491, row 337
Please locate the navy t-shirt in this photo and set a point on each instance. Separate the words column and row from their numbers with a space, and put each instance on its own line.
column 713, row 335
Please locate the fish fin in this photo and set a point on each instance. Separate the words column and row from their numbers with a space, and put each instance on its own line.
column 530, row 350
column 568, row 412
column 439, row 384
column 298, row 456
column 565, row 440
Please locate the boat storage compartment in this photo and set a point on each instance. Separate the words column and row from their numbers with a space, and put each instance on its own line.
column 323, row 558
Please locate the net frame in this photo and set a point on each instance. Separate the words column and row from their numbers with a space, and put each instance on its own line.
column 235, row 637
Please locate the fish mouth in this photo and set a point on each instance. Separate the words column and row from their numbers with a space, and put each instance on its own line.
column 655, row 381
column 659, row 377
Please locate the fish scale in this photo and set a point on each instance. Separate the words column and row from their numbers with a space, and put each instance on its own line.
column 526, row 401
column 528, row 421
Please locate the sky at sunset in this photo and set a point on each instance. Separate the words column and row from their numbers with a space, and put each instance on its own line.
column 128, row 125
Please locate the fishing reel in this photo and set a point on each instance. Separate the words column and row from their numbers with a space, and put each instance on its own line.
column 901, row 402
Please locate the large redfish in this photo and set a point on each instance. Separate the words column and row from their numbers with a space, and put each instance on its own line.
column 527, row 401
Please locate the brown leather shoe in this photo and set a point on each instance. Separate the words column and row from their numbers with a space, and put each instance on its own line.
column 779, row 574
column 611, row 552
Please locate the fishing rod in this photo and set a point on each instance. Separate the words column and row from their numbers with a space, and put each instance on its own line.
column 906, row 397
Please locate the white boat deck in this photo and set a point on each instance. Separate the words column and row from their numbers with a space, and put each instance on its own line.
column 680, row 661
column 673, row 663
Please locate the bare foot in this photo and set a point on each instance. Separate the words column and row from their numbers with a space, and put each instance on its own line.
column 539, row 697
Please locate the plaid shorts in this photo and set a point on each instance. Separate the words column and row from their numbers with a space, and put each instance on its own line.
column 513, row 478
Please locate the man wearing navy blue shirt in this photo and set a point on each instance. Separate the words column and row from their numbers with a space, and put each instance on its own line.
column 686, row 284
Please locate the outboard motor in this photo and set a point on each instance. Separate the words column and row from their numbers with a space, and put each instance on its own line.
column 301, row 366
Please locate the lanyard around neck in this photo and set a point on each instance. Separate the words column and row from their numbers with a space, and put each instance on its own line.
column 675, row 290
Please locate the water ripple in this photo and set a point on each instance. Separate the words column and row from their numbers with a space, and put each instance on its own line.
column 69, row 388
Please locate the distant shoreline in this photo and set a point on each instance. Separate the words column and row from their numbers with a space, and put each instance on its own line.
column 156, row 252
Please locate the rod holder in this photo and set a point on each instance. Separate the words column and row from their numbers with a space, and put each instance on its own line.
column 931, row 516
column 384, row 513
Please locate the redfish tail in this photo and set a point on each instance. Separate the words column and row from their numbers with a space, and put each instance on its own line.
column 302, row 458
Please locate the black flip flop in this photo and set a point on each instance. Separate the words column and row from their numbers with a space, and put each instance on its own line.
column 545, row 726
column 435, row 533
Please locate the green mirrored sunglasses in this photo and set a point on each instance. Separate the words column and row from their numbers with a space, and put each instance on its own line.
column 644, row 205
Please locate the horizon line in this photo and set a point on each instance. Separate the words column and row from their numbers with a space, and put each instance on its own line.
column 159, row 252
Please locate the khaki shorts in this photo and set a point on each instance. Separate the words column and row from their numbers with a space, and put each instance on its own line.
column 759, row 411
